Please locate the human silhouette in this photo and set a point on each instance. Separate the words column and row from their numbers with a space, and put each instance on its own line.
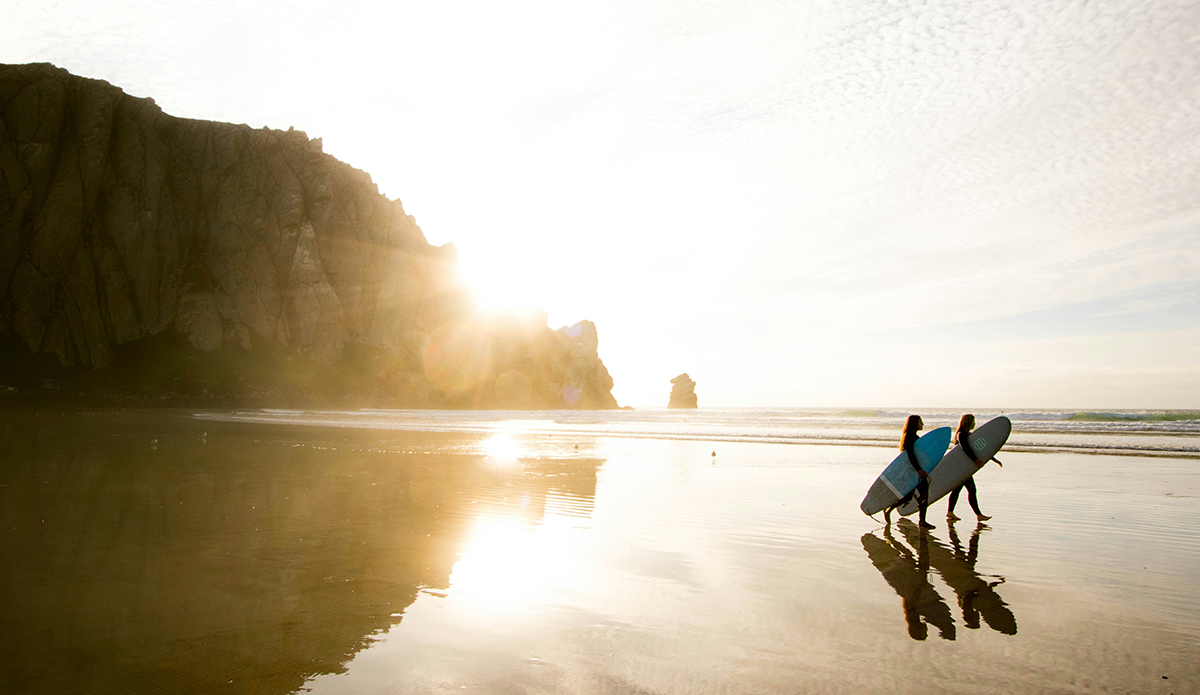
column 908, row 443
column 963, row 438
column 976, row 593
column 909, row 577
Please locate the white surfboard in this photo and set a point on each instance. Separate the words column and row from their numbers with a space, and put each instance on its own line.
column 899, row 478
column 955, row 467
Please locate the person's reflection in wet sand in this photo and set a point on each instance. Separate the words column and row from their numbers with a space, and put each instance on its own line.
column 909, row 576
column 976, row 593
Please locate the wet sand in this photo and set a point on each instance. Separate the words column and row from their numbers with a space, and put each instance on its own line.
column 155, row 553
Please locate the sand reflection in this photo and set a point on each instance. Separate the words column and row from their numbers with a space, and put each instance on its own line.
column 509, row 558
column 503, row 448
column 976, row 592
column 153, row 553
column 504, row 562
column 908, row 574
column 905, row 565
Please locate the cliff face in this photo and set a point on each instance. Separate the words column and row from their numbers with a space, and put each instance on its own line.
column 230, row 249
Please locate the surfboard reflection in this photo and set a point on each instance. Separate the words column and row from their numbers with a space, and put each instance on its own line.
column 908, row 574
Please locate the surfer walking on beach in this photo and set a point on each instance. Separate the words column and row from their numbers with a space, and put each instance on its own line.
column 908, row 444
column 963, row 438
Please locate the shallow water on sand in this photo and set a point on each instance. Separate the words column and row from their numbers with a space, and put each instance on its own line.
column 154, row 552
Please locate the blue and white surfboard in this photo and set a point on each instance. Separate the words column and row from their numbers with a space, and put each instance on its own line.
column 899, row 478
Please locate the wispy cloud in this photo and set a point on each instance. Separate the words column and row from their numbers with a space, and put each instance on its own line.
column 807, row 171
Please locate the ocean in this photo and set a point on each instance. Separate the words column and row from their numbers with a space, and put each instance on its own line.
column 1132, row 432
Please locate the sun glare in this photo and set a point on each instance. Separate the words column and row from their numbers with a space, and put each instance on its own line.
column 500, row 286
column 503, row 447
column 505, row 561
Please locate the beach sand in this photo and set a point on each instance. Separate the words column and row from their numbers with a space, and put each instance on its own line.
column 153, row 552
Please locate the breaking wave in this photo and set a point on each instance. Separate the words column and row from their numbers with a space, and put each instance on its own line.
column 1158, row 433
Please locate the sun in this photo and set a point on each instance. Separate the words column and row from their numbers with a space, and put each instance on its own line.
column 500, row 285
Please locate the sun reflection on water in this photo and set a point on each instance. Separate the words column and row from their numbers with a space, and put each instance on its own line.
column 530, row 547
column 506, row 562
column 503, row 447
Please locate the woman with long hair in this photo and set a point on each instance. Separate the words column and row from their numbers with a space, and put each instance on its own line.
column 963, row 438
column 908, row 443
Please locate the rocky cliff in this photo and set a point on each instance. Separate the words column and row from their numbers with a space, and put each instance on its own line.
column 171, row 258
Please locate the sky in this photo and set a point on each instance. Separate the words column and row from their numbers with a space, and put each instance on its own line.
column 924, row 204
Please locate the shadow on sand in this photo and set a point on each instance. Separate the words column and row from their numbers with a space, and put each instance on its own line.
column 905, row 566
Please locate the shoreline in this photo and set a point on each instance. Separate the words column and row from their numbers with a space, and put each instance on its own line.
column 539, row 423
column 573, row 555
column 725, row 426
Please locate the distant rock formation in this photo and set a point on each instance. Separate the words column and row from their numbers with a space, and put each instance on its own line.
column 683, row 392
column 209, row 259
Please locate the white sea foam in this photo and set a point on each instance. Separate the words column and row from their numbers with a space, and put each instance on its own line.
column 1169, row 433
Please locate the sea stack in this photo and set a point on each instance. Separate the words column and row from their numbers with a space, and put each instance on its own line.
column 683, row 392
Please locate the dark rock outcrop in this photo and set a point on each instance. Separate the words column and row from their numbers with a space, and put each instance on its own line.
column 683, row 392
column 585, row 380
column 246, row 263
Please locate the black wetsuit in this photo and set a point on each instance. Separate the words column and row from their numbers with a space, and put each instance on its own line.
column 922, row 489
column 963, row 437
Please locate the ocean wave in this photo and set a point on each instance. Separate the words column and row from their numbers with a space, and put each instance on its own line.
column 1139, row 416
column 1166, row 437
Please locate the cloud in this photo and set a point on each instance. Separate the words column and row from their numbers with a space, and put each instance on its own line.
column 802, row 171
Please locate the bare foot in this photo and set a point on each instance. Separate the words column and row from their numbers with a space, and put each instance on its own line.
column 950, row 516
column 926, row 524
column 983, row 517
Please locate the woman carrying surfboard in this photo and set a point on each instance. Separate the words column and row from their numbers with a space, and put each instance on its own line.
column 963, row 438
column 908, row 444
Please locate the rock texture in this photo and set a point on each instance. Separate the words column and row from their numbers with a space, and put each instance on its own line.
column 584, row 380
column 120, row 224
column 683, row 392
